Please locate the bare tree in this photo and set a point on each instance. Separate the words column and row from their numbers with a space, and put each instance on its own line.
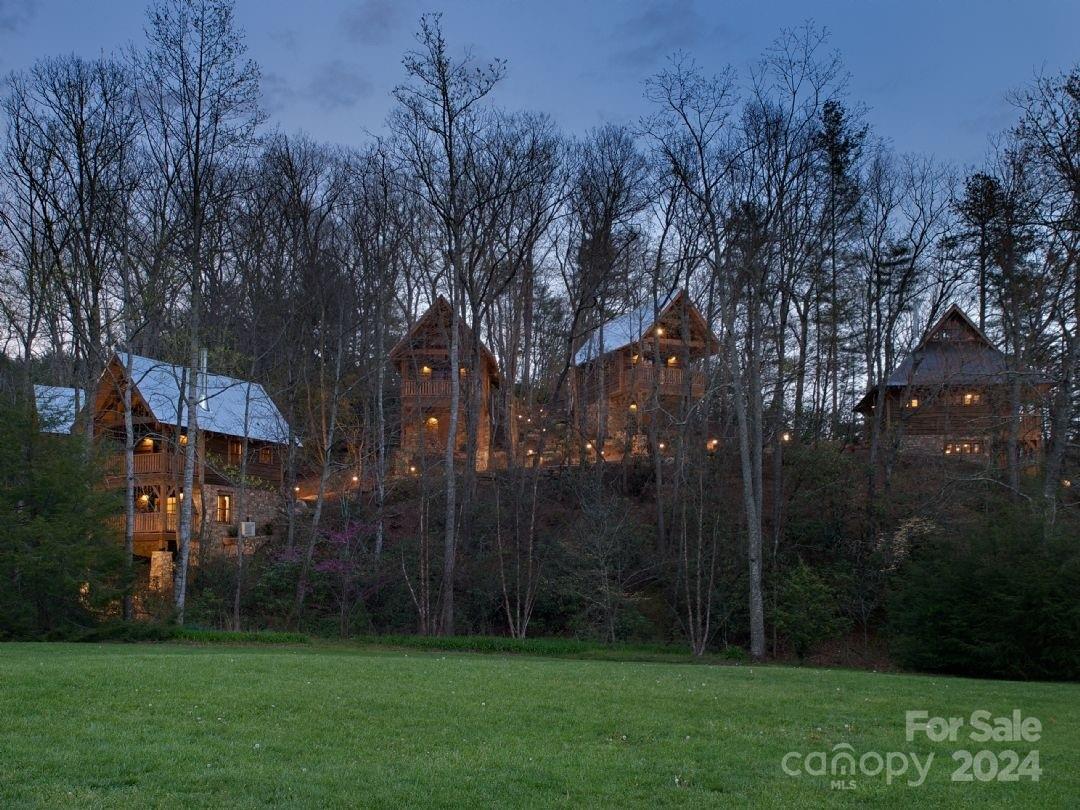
column 199, row 103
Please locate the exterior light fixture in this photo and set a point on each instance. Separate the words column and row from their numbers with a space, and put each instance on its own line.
column 355, row 478
column 785, row 437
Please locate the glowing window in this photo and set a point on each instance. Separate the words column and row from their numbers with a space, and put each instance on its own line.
column 224, row 508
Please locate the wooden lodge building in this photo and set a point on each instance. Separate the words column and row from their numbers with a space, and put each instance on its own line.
column 952, row 395
column 637, row 368
column 422, row 359
column 232, row 413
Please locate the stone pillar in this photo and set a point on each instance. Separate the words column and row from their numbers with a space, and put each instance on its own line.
column 161, row 571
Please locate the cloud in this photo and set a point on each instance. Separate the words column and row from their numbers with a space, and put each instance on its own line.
column 14, row 14
column 372, row 21
column 276, row 92
column 336, row 85
column 285, row 38
column 660, row 28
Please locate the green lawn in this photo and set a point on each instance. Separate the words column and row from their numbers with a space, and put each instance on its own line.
column 166, row 725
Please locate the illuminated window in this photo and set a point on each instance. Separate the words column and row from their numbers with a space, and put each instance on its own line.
column 913, row 402
column 635, row 358
column 673, row 361
column 464, row 372
column 964, row 448
column 425, row 371
column 432, row 421
column 972, row 398
column 224, row 508
column 146, row 499
column 183, row 440
column 633, row 407
column 712, row 445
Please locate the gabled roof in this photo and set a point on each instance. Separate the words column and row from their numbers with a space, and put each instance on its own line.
column 944, row 357
column 222, row 401
column 441, row 309
column 629, row 328
column 56, row 407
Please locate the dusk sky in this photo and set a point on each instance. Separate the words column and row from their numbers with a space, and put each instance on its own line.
column 933, row 75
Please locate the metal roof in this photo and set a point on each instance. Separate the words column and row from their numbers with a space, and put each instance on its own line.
column 56, row 407
column 222, row 401
column 621, row 331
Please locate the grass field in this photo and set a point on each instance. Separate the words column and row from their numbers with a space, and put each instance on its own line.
column 318, row 725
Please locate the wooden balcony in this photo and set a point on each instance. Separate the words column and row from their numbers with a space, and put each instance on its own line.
column 146, row 464
column 156, row 522
column 639, row 381
column 425, row 389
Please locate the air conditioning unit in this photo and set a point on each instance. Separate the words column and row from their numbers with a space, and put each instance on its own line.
column 247, row 528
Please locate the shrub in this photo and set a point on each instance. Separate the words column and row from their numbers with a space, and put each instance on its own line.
column 806, row 611
column 998, row 600
column 61, row 563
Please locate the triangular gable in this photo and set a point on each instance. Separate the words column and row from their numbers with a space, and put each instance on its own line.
column 441, row 309
column 954, row 319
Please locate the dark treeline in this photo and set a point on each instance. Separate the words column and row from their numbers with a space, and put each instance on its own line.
column 147, row 205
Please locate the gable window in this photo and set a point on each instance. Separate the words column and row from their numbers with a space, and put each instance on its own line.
column 224, row 507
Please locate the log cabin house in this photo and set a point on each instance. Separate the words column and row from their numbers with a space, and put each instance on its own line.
column 422, row 359
column 640, row 367
column 952, row 395
column 232, row 413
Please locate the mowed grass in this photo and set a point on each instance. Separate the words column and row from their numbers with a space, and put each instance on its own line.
column 325, row 726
